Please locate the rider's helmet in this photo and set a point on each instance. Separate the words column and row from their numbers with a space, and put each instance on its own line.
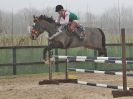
column 58, row 8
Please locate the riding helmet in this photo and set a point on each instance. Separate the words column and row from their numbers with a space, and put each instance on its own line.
column 58, row 8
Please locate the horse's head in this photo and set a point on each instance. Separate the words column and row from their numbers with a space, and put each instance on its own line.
column 37, row 28
column 41, row 24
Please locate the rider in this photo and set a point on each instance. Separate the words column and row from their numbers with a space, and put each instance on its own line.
column 67, row 18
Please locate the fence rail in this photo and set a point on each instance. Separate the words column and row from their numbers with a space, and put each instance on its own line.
column 21, row 47
column 127, row 44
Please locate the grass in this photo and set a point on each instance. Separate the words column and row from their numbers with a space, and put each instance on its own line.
column 116, row 38
column 21, row 40
column 25, row 40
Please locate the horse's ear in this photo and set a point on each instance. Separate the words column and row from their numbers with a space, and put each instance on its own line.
column 35, row 19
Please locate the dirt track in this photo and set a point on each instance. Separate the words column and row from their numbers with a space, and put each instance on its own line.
column 26, row 87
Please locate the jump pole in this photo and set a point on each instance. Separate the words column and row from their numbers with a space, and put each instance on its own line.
column 98, row 72
column 92, row 58
column 100, row 85
column 124, row 92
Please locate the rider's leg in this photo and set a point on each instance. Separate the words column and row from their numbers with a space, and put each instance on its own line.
column 79, row 30
column 73, row 25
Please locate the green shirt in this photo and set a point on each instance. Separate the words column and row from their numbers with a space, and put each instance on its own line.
column 72, row 17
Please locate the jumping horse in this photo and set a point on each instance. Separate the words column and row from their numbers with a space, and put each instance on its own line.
column 94, row 37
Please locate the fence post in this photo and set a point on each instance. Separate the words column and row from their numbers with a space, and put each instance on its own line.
column 56, row 64
column 124, row 92
column 124, row 59
column 14, row 60
column 95, row 55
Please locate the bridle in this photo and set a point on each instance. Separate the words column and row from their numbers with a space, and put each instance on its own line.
column 35, row 32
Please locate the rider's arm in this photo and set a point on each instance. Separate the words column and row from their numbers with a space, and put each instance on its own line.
column 58, row 19
column 66, row 19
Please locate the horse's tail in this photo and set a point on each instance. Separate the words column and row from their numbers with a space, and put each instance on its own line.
column 103, row 51
column 103, row 37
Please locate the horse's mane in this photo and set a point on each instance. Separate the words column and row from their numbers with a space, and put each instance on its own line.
column 46, row 18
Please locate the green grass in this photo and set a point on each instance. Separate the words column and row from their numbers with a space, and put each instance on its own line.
column 25, row 40
column 21, row 40
column 116, row 38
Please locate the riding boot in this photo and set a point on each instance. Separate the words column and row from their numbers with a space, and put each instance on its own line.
column 81, row 29
column 78, row 33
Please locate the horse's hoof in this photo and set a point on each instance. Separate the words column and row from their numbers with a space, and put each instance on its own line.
column 46, row 62
column 52, row 59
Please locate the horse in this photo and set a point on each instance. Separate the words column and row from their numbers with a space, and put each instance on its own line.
column 94, row 37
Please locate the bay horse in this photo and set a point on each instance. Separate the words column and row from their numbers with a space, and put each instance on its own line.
column 94, row 37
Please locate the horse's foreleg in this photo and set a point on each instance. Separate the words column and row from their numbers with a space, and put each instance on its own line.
column 48, row 48
column 44, row 53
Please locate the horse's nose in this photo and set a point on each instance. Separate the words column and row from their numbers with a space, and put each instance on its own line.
column 32, row 31
column 33, row 36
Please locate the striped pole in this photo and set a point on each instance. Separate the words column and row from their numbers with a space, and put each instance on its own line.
column 100, row 85
column 98, row 72
column 94, row 58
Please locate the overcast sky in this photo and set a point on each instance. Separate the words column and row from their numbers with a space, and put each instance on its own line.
column 95, row 6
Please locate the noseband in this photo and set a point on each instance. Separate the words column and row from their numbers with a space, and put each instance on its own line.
column 35, row 32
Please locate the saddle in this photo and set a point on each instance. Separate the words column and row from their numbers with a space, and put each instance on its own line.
column 76, row 29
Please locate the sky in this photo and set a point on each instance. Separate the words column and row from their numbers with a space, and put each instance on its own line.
column 95, row 6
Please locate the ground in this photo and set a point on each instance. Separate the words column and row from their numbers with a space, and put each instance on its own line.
column 27, row 87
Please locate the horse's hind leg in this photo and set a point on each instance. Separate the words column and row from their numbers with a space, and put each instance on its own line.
column 102, row 52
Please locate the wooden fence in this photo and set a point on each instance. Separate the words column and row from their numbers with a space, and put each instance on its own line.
column 14, row 63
